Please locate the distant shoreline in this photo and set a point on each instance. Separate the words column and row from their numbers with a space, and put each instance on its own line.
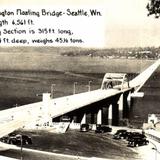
column 53, row 62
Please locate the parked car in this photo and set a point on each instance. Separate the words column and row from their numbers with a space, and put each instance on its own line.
column 137, row 139
column 16, row 139
column 84, row 128
column 102, row 129
column 25, row 139
column 4, row 139
column 133, row 142
column 122, row 133
column 134, row 135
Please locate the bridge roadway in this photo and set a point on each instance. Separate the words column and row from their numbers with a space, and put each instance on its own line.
column 17, row 117
column 73, row 102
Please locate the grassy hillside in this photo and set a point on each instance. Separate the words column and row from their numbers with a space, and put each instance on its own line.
column 82, row 144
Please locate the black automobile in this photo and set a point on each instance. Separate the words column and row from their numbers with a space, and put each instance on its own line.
column 24, row 138
column 102, row 129
column 16, row 139
column 137, row 141
column 4, row 139
column 135, row 134
column 84, row 128
column 121, row 133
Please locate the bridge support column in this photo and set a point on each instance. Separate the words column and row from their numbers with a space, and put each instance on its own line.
column 93, row 117
column 45, row 108
column 110, row 114
column 46, row 99
column 99, row 117
column 105, row 115
column 45, row 114
column 115, row 114
column 129, row 100
column 83, row 121
column 127, row 105
column 120, row 103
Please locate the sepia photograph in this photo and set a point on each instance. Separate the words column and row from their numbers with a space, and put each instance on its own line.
column 80, row 80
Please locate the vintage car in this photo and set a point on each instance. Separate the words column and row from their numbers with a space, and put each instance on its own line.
column 102, row 129
column 84, row 128
column 16, row 139
column 137, row 139
column 121, row 133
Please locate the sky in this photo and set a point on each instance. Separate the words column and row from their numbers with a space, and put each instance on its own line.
column 129, row 25
column 125, row 22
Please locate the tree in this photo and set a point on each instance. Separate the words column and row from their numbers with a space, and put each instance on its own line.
column 153, row 7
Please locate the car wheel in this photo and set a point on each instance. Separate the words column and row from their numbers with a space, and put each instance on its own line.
column 26, row 142
column 10, row 141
